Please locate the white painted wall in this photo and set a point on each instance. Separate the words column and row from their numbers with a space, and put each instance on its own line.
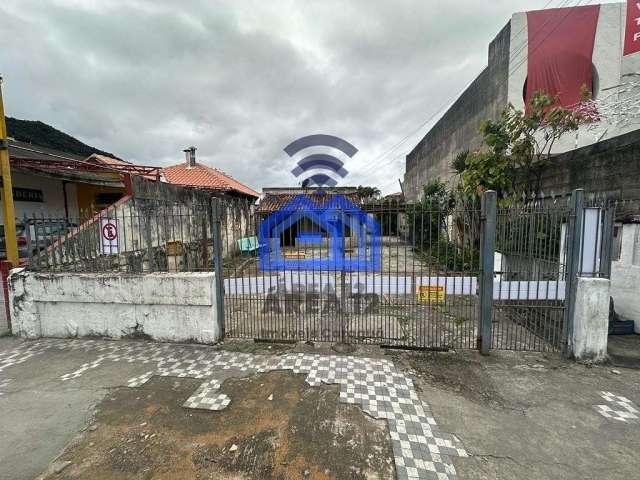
column 625, row 276
column 612, row 68
column 51, row 191
column 175, row 307
column 591, row 319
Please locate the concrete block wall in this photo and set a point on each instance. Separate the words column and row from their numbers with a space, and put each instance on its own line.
column 458, row 129
column 174, row 307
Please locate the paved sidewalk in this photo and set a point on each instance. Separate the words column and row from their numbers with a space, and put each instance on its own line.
column 123, row 408
column 420, row 449
column 527, row 415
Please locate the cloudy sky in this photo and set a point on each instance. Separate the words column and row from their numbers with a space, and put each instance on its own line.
column 240, row 79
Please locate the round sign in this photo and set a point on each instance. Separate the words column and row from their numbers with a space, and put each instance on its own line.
column 109, row 231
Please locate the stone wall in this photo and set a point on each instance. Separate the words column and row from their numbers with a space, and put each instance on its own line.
column 173, row 307
column 458, row 129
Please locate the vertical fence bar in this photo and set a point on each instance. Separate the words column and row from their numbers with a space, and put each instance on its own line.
column 487, row 253
column 27, row 232
column 147, row 235
column 607, row 240
column 217, row 260
column 574, row 244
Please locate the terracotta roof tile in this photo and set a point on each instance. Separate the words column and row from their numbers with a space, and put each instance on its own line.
column 272, row 202
column 205, row 177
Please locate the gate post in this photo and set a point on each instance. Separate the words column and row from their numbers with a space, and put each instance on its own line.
column 217, row 263
column 487, row 254
column 574, row 247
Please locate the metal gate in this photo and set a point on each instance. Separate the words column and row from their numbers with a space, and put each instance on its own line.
column 325, row 267
column 442, row 273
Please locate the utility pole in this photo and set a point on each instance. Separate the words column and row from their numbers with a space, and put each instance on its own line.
column 8, row 210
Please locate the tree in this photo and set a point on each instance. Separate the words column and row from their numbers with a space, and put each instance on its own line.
column 366, row 193
column 518, row 145
column 428, row 221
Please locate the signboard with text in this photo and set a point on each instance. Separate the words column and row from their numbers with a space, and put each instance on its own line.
column 632, row 29
column 431, row 294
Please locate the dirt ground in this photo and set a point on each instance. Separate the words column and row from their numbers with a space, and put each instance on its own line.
column 302, row 432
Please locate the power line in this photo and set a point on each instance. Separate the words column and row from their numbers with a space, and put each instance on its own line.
column 453, row 98
column 444, row 105
column 376, row 162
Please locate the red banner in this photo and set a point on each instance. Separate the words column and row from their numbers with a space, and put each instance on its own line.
column 560, row 46
column 632, row 30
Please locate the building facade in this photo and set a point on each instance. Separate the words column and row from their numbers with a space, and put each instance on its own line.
column 558, row 51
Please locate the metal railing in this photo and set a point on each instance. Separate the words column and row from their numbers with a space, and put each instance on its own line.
column 134, row 236
column 432, row 274
column 385, row 272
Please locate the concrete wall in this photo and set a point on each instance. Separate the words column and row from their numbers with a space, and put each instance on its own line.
column 625, row 275
column 175, row 307
column 610, row 167
column 457, row 130
column 591, row 319
column 237, row 212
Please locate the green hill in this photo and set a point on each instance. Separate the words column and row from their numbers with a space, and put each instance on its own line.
column 44, row 135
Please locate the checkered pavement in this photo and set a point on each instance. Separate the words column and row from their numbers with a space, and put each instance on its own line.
column 421, row 450
column 617, row 408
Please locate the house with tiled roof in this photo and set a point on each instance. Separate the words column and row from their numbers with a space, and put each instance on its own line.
column 192, row 174
column 274, row 198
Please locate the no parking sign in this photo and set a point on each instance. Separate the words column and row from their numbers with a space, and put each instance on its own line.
column 109, row 236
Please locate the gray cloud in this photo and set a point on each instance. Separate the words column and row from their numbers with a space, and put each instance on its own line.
column 241, row 79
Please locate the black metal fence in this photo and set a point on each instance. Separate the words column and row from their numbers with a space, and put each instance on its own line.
column 446, row 274
column 135, row 236
column 410, row 283
column 530, row 284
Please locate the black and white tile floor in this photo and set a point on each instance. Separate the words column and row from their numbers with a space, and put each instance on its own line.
column 420, row 449
column 617, row 408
